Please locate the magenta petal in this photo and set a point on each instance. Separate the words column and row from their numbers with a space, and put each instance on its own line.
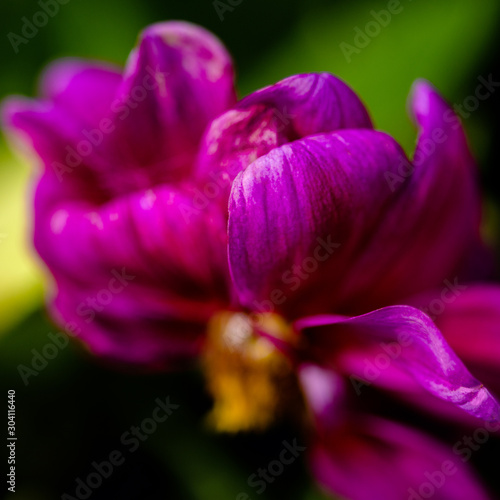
column 469, row 317
column 52, row 133
column 178, row 79
column 233, row 141
column 144, row 235
column 85, row 90
column 139, row 324
column 311, row 104
column 414, row 344
column 447, row 207
column 134, row 132
column 145, row 232
column 75, row 97
column 324, row 392
column 436, row 224
column 382, row 460
column 293, row 108
column 299, row 216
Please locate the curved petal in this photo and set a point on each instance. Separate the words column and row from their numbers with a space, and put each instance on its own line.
column 444, row 183
column 300, row 215
column 404, row 337
column 75, row 96
column 178, row 79
column 368, row 457
column 423, row 219
column 177, row 268
column 430, row 234
column 57, row 139
column 136, row 131
column 298, row 106
column 131, row 322
column 81, row 90
column 84, row 89
column 369, row 367
column 324, row 392
column 469, row 317
column 312, row 103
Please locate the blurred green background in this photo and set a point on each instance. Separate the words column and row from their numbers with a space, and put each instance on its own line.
column 75, row 410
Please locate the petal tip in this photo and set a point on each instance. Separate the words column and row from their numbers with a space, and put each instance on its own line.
column 419, row 102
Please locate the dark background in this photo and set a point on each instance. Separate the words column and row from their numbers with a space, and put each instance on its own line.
column 75, row 410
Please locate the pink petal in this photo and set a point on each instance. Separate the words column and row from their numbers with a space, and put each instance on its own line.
column 298, row 106
column 76, row 95
column 406, row 338
column 300, row 215
column 325, row 391
column 312, row 103
column 378, row 459
column 134, row 132
column 178, row 79
column 469, row 317
column 431, row 232
column 85, row 90
column 179, row 268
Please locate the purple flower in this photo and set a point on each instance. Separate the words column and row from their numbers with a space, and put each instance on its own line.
column 276, row 237
column 396, row 358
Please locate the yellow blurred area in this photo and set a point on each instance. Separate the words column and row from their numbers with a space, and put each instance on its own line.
column 20, row 273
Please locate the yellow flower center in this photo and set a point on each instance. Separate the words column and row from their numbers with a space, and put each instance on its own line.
column 251, row 381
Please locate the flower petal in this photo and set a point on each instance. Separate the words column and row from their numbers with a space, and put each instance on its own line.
column 177, row 80
column 447, row 207
column 76, row 95
column 431, row 233
column 410, row 241
column 136, row 131
column 84, row 89
column 300, row 215
column 368, row 457
column 312, row 103
column 298, row 106
column 409, row 339
column 53, row 134
column 325, row 393
column 144, row 235
column 139, row 324
column 469, row 317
